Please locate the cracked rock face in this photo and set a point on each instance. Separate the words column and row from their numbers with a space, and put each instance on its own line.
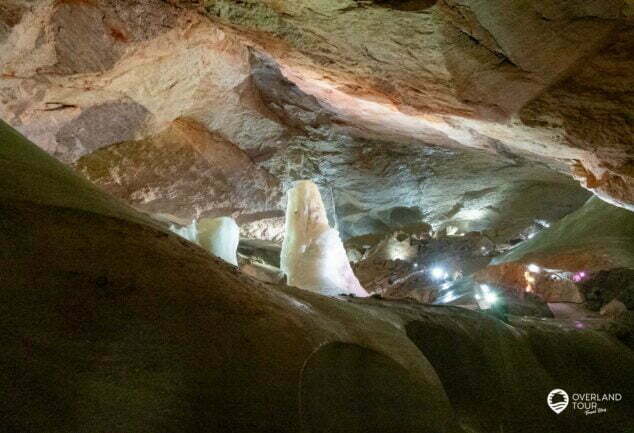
column 402, row 112
column 185, row 172
column 551, row 80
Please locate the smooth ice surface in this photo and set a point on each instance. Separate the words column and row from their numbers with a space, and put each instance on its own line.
column 220, row 236
column 189, row 232
column 313, row 257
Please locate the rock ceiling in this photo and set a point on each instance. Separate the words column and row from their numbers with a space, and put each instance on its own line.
column 446, row 111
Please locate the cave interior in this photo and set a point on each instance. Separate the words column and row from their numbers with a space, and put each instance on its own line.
column 317, row 216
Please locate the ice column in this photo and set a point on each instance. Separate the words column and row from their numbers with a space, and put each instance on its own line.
column 313, row 257
column 220, row 236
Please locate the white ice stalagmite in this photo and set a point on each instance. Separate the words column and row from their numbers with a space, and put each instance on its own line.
column 220, row 236
column 313, row 257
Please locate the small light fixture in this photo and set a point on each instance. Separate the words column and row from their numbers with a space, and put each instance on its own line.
column 534, row 268
column 490, row 297
column 438, row 273
column 543, row 223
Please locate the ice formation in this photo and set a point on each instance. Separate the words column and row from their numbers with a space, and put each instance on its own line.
column 313, row 257
column 189, row 232
column 220, row 236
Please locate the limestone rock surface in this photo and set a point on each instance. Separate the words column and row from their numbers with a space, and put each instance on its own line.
column 548, row 80
column 186, row 172
column 613, row 309
column 439, row 112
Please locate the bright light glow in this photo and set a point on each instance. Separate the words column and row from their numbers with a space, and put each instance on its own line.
column 398, row 250
column 485, row 297
column 534, row 268
column 543, row 223
column 445, row 286
column 438, row 273
column 415, row 265
column 531, row 235
column 396, row 254
column 490, row 297
column 452, row 230
column 449, row 296
column 579, row 276
column 471, row 214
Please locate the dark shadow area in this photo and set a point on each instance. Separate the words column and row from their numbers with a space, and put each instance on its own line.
column 497, row 380
column 469, row 381
column 588, row 362
column 407, row 5
column 346, row 388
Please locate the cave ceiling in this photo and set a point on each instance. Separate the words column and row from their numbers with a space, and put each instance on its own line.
column 448, row 112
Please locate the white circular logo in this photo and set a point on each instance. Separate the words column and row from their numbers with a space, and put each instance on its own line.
column 558, row 400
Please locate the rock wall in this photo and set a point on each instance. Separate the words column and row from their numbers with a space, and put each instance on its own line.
column 548, row 80
column 597, row 237
column 187, row 172
column 598, row 234
column 294, row 88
